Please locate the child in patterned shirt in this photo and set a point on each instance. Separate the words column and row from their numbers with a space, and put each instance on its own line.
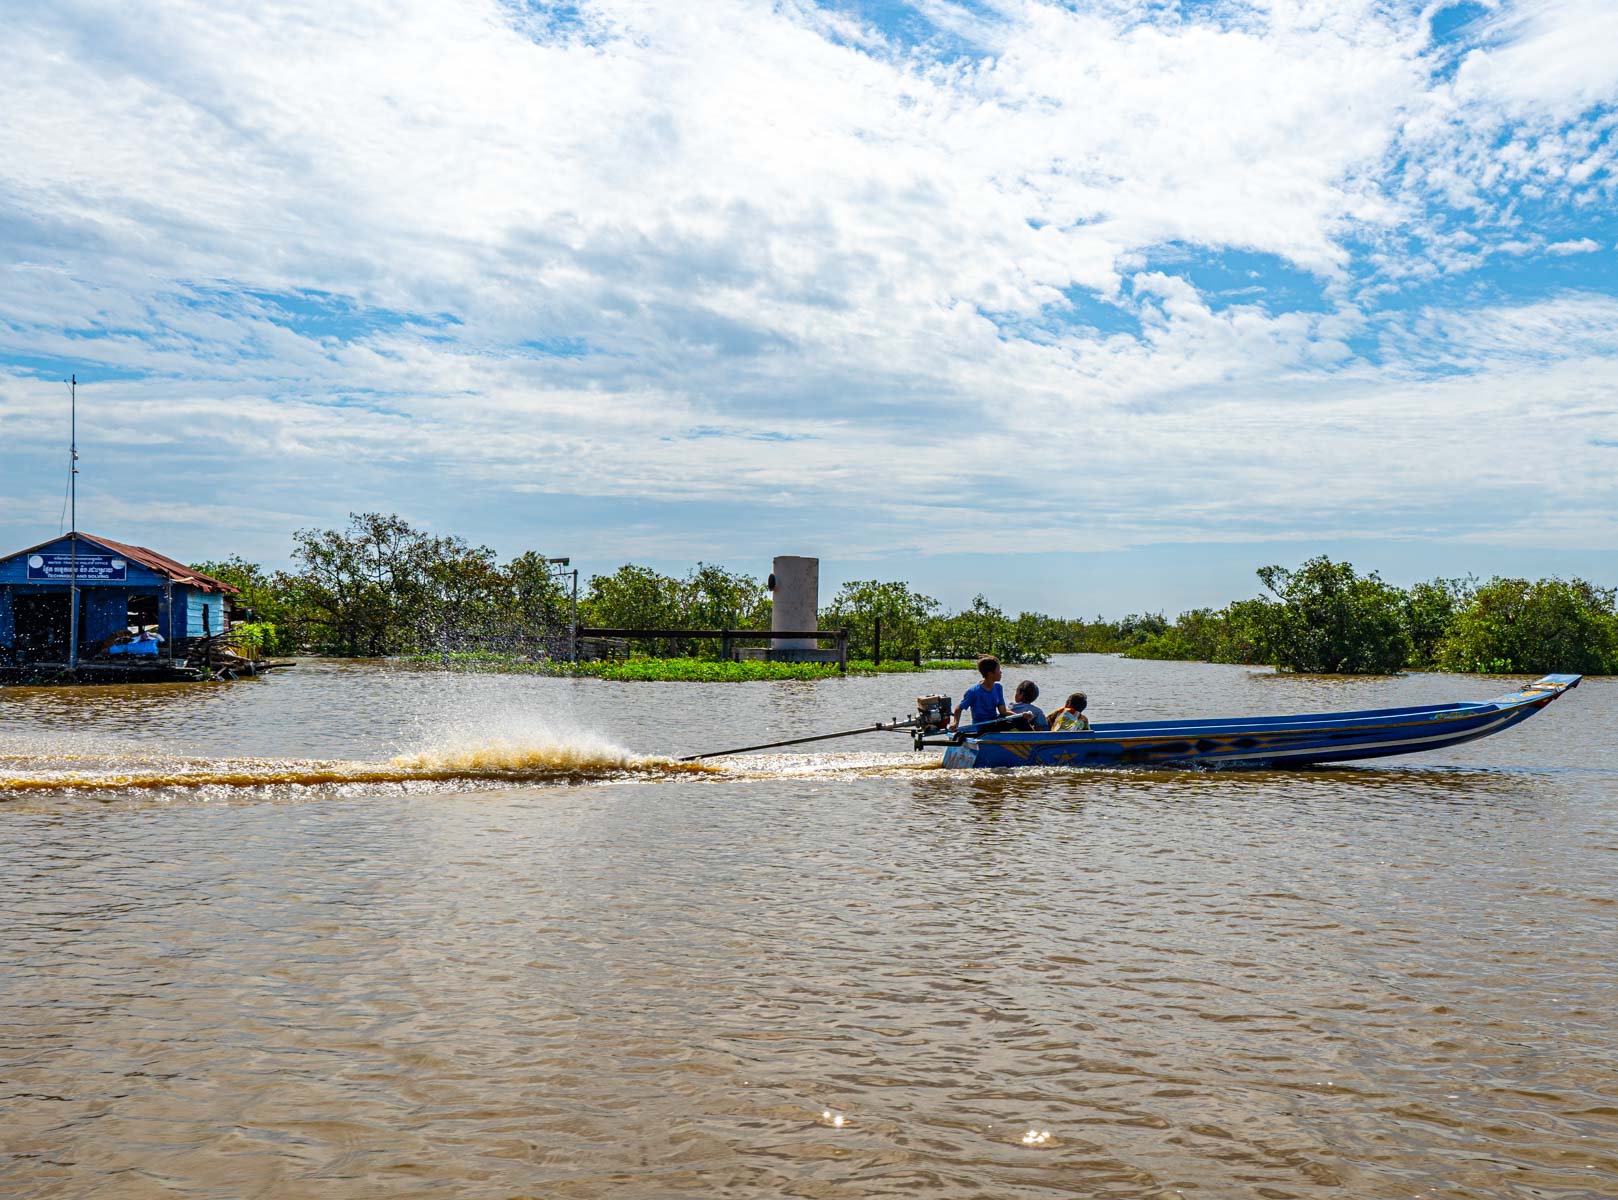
column 1070, row 717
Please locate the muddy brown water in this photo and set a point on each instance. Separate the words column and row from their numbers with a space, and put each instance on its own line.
column 353, row 930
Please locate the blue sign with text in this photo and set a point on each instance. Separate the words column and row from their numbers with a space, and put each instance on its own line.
column 89, row 568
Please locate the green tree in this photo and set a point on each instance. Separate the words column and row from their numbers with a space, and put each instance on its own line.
column 1429, row 611
column 539, row 603
column 277, row 620
column 460, row 600
column 966, row 634
column 714, row 598
column 1328, row 619
column 1100, row 636
column 379, row 585
column 1512, row 625
column 257, row 587
column 1227, row 635
column 1138, row 628
column 345, row 610
column 1243, row 631
column 859, row 604
column 634, row 597
column 980, row 628
column 1026, row 639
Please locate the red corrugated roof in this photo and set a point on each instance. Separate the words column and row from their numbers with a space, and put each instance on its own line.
column 161, row 563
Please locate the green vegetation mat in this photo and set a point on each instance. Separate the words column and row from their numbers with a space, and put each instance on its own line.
column 676, row 670
column 698, row 670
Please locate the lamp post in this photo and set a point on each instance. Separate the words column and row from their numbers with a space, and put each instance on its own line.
column 573, row 608
column 73, row 545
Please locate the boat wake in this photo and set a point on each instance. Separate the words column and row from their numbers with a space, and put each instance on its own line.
column 502, row 759
column 489, row 762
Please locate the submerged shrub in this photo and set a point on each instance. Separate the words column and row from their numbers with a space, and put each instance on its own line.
column 1551, row 625
column 264, row 636
column 1326, row 618
column 1225, row 635
column 1429, row 611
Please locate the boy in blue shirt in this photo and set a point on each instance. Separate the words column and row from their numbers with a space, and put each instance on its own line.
column 985, row 701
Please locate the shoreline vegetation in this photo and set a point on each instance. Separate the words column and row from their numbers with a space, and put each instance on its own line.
column 380, row 588
column 678, row 670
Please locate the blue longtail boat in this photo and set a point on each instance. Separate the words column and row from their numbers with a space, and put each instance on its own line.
column 1245, row 741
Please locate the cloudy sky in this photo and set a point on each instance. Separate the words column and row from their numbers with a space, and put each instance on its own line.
column 1093, row 306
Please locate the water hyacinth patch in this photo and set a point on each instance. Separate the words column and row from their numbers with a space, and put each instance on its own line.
column 675, row 670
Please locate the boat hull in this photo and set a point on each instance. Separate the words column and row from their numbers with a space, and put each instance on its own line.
column 1262, row 741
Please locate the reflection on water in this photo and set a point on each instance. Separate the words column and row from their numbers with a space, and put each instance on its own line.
column 489, row 943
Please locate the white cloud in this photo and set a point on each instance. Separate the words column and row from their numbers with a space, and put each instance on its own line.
column 1530, row 108
column 1552, row 56
column 1577, row 246
column 745, row 219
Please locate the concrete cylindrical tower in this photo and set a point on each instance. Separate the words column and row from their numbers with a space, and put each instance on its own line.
column 797, row 599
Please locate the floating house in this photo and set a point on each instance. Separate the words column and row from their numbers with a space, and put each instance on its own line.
column 121, row 589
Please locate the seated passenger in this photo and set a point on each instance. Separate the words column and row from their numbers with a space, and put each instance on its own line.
column 1070, row 717
column 1023, row 702
column 986, row 702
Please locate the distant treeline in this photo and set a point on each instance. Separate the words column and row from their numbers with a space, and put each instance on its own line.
column 380, row 587
column 1326, row 617
column 1323, row 617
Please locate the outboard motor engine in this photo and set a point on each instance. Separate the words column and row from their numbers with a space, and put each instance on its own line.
column 932, row 716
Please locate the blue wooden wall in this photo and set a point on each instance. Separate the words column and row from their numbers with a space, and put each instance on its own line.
column 195, row 602
column 106, row 612
column 106, row 605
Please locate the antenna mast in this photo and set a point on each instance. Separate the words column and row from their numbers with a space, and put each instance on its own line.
column 73, row 535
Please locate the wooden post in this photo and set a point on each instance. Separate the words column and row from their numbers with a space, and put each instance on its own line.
column 724, row 647
column 876, row 648
column 842, row 651
column 573, row 622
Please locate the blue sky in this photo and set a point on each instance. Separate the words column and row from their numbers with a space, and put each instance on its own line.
column 1093, row 307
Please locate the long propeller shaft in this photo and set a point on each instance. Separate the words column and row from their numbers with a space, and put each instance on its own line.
column 879, row 727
